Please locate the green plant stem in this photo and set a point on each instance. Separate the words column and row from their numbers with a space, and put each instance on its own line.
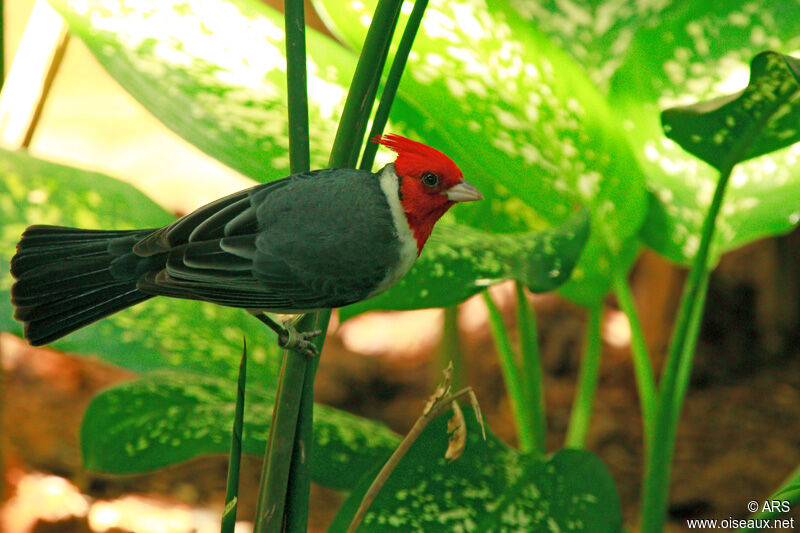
column 687, row 357
column 235, row 457
column 298, row 482
column 297, row 509
column 394, row 11
column 451, row 347
column 587, row 381
column 274, row 494
column 296, row 83
column 277, row 461
column 520, row 407
column 642, row 364
column 531, row 367
column 357, row 108
column 393, row 81
column 677, row 371
column 344, row 154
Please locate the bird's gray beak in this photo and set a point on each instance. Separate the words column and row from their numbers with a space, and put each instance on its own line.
column 463, row 191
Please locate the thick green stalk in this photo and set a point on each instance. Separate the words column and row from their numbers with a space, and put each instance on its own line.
column 297, row 509
column 277, row 460
column 451, row 348
column 357, row 108
column 520, row 407
column 344, row 154
column 677, row 369
column 274, row 493
column 235, row 457
column 642, row 364
column 296, row 83
column 532, row 373
column 687, row 357
column 394, row 11
column 393, row 81
column 587, row 381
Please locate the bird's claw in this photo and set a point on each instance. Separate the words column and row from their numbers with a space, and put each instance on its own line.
column 298, row 341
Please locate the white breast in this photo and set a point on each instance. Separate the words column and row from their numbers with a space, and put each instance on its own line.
column 408, row 244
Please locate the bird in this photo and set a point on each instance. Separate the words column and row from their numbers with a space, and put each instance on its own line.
column 313, row 240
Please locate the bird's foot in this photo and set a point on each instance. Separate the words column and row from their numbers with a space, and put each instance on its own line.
column 298, row 341
column 288, row 336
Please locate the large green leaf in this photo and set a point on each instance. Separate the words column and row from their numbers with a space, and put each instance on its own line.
column 701, row 51
column 459, row 261
column 155, row 334
column 522, row 120
column 489, row 488
column 170, row 417
column 595, row 33
column 760, row 119
column 214, row 71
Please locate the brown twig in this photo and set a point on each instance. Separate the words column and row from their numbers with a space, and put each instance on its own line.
column 440, row 401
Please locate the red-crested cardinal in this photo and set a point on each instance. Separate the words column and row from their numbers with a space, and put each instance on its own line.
column 314, row 240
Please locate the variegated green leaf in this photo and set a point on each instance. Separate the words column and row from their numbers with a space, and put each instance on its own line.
column 214, row 71
column 171, row 417
column 489, row 488
column 459, row 261
column 762, row 118
column 701, row 52
column 159, row 333
column 596, row 34
column 524, row 123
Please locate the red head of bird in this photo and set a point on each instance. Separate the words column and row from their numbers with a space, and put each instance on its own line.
column 430, row 183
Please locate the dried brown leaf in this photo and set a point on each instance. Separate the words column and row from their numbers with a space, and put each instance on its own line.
column 457, row 428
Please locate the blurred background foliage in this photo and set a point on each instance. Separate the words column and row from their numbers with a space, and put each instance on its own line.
column 546, row 109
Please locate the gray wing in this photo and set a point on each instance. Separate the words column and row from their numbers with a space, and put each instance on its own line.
column 310, row 241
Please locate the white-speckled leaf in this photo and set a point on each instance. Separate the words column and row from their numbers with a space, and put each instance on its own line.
column 459, row 261
column 170, row 417
column 214, row 71
column 762, row 118
column 595, row 33
column 523, row 122
column 489, row 488
column 700, row 51
column 156, row 334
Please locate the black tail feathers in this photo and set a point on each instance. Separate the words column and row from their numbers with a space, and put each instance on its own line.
column 68, row 278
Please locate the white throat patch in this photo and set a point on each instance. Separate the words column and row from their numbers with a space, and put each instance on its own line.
column 390, row 185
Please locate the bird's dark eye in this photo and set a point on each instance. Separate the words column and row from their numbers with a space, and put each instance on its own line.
column 430, row 179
